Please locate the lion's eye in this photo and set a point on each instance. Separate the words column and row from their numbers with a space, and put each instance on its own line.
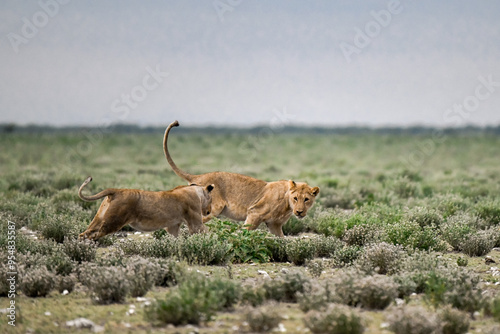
column 306, row 199
column 295, row 199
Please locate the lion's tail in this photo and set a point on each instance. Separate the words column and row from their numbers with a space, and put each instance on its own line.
column 186, row 176
column 95, row 197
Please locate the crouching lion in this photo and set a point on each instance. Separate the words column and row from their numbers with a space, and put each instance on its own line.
column 244, row 198
column 148, row 211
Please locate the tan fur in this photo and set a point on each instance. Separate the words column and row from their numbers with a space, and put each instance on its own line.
column 148, row 211
column 240, row 197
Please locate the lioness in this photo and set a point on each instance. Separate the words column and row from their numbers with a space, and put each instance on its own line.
column 240, row 197
column 148, row 211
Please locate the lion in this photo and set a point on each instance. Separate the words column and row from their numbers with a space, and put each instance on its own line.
column 148, row 211
column 244, row 198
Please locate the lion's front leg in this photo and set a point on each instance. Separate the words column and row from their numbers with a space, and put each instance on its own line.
column 276, row 229
column 252, row 222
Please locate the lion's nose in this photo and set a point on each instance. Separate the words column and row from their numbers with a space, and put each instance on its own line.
column 299, row 212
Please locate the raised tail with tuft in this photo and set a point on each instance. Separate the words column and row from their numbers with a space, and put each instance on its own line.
column 95, row 197
column 186, row 176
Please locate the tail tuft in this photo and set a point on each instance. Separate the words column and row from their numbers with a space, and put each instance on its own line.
column 175, row 123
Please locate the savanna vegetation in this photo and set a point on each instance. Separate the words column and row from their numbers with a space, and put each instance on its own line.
column 404, row 236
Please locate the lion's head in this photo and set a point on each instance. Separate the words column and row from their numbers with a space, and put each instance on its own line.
column 301, row 197
column 206, row 198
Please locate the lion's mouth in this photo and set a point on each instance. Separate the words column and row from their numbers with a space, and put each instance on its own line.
column 299, row 215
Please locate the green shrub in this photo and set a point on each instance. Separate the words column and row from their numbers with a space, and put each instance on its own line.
column 462, row 261
column 489, row 211
column 158, row 234
column 160, row 248
column 60, row 263
column 455, row 230
column 410, row 234
column 80, row 250
column 346, row 255
column 479, row 243
column 450, row 204
column 327, row 246
column 294, row 226
column 315, row 267
column 415, row 270
column 194, row 300
column 338, row 222
column 331, row 223
column 300, row 250
column 382, row 258
column 335, row 319
column 253, row 295
column 169, row 272
column 494, row 308
column 286, row 287
column 37, row 282
column 247, row 246
column 435, row 288
column 454, row 321
column 57, row 229
column 204, row 249
column 262, row 319
column 405, row 188
column 277, row 249
column 425, row 216
column 413, row 320
column 360, row 235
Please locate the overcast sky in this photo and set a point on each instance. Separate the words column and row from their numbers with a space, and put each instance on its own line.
column 231, row 62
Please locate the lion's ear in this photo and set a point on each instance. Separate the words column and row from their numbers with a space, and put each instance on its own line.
column 315, row 191
column 210, row 187
column 291, row 184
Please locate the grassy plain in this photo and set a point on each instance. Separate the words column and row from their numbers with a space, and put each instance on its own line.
column 411, row 190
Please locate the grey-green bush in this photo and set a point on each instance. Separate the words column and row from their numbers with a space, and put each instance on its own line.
column 80, row 250
column 263, row 318
column 425, row 216
column 141, row 275
column 318, row 296
column 300, row 250
column 204, row 249
column 66, row 283
column 286, row 287
column 327, row 246
column 381, row 258
column 413, row 320
column 253, row 295
column 353, row 288
column 479, row 243
column 335, row 319
column 108, row 285
column 315, row 267
column 37, row 281
column 453, row 320
column 375, row 292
